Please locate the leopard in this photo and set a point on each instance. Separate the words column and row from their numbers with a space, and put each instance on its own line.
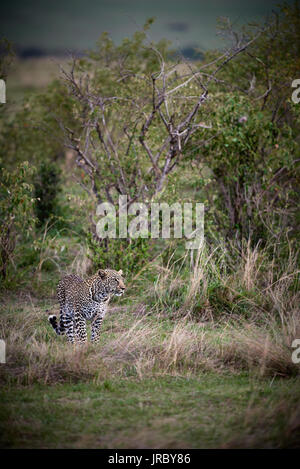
column 85, row 300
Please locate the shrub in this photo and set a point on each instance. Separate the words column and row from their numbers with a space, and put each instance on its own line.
column 129, row 255
column 16, row 214
column 46, row 189
column 248, row 173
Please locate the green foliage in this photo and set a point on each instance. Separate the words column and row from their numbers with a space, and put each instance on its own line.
column 46, row 189
column 16, row 212
column 251, row 181
column 249, row 169
column 272, row 62
column 130, row 255
column 133, row 54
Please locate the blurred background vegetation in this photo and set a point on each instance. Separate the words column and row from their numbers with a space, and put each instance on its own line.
column 242, row 163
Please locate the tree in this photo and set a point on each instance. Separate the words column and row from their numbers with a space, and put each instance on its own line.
column 16, row 211
column 253, row 148
column 137, row 112
column 46, row 189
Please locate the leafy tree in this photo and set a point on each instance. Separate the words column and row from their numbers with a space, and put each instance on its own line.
column 250, row 162
column 46, row 189
column 266, row 70
column 136, row 111
column 250, row 185
column 16, row 211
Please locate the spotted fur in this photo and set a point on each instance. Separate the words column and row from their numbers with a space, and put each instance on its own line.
column 85, row 300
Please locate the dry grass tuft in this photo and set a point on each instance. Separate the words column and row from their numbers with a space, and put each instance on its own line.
column 82, row 265
column 256, row 348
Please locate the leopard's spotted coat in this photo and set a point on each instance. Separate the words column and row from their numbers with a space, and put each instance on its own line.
column 81, row 300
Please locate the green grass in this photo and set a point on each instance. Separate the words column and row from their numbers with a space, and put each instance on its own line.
column 205, row 411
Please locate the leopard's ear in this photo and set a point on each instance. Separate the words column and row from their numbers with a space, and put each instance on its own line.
column 102, row 273
column 120, row 272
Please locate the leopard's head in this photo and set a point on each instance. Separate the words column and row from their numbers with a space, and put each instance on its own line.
column 112, row 281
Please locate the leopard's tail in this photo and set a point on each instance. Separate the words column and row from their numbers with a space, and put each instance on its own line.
column 53, row 321
column 58, row 327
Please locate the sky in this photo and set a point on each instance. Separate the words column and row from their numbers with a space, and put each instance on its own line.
column 77, row 24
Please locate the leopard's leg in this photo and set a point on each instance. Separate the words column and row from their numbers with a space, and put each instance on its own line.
column 69, row 327
column 80, row 329
column 61, row 296
column 96, row 325
column 62, row 323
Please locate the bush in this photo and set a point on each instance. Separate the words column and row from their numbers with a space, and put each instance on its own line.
column 130, row 255
column 46, row 189
column 16, row 214
column 249, row 174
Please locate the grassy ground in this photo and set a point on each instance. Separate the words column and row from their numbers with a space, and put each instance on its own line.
column 204, row 411
column 151, row 382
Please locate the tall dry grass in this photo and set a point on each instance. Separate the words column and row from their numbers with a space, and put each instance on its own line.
column 143, row 350
column 199, row 337
column 257, row 303
column 35, row 354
